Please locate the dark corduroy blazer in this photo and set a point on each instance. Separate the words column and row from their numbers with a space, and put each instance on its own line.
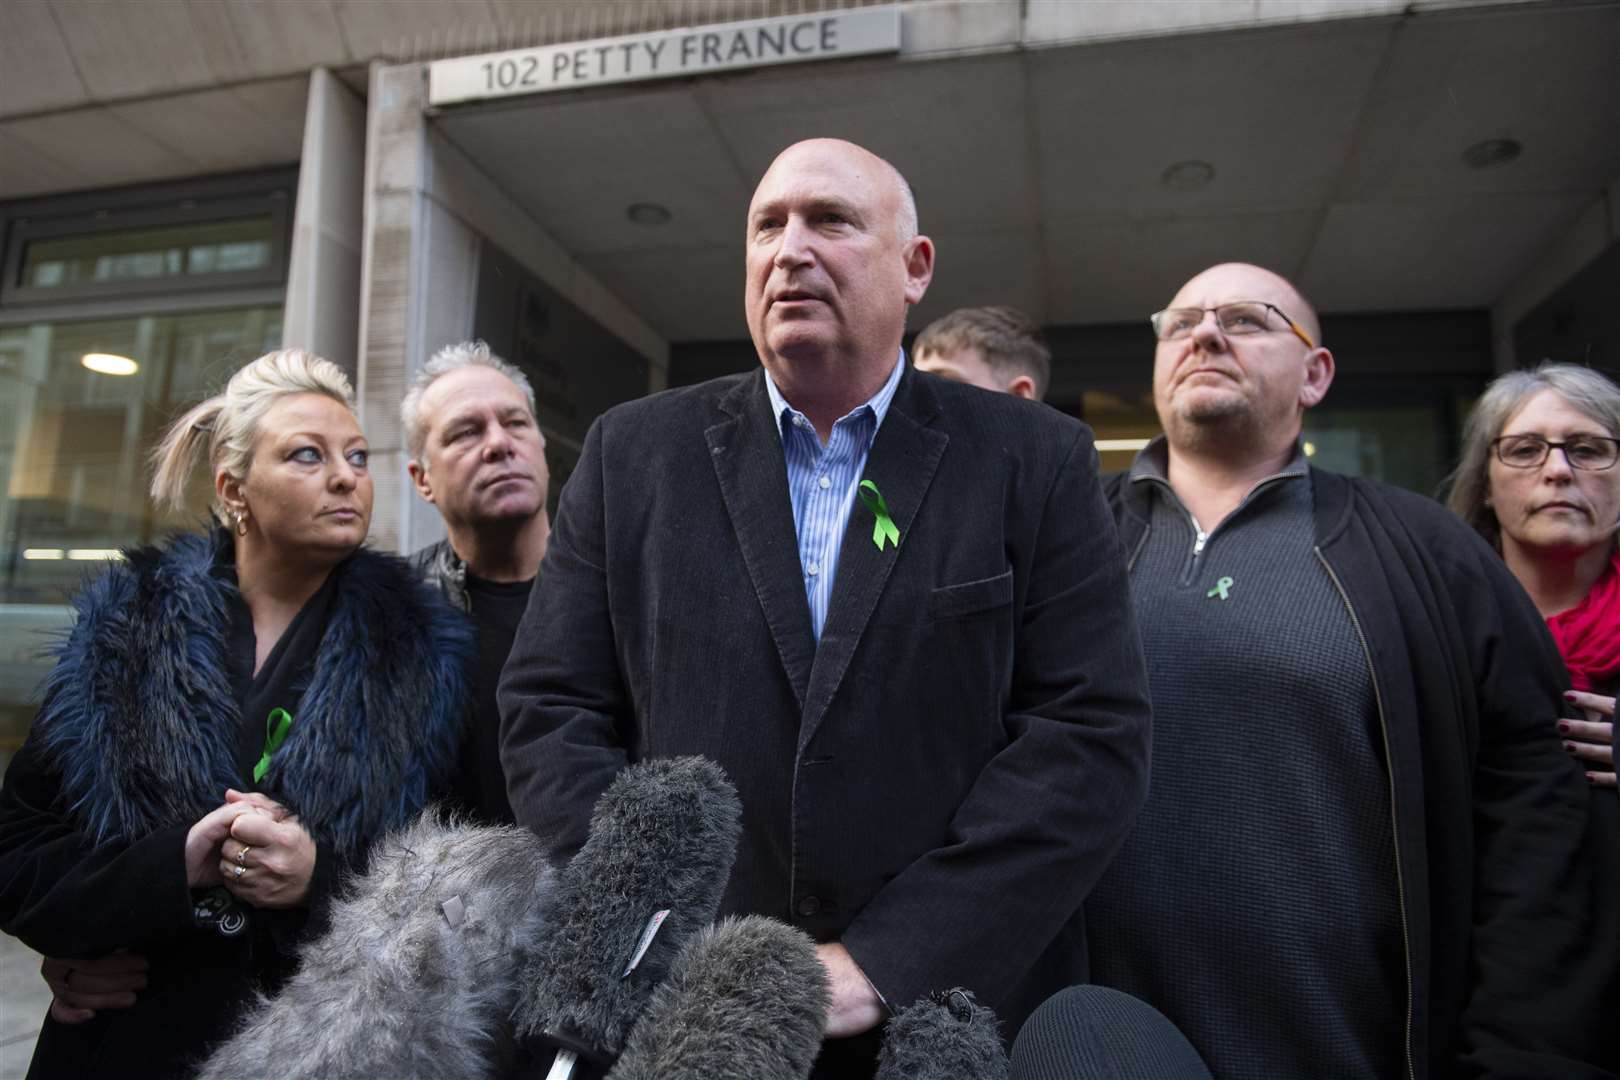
column 939, row 782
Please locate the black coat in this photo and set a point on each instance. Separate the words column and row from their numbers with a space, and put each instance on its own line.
column 1491, row 815
column 138, row 738
column 941, row 780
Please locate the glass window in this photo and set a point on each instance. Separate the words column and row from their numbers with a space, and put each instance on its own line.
column 119, row 309
column 74, row 449
column 170, row 251
column 1401, row 434
column 1122, row 423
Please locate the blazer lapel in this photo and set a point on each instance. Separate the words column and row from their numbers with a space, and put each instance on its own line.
column 902, row 463
column 746, row 450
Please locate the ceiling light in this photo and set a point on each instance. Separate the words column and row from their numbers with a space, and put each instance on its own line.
column 94, row 554
column 1130, row 445
column 109, row 363
column 1491, row 153
column 649, row 213
column 1310, row 449
column 42, row 554
column 1187, row 175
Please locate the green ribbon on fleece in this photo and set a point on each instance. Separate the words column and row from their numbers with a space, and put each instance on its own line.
column 275, row 733
column 884, row 527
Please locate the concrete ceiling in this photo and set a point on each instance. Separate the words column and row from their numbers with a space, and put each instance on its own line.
column 1337, row 144
column 99, row 93
column 63, row 54
column 1337, row 150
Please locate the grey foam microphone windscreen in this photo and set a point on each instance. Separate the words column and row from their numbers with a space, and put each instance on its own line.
column 747, row 998
column 663, row 838
column 416, row 973
column 945, row 1036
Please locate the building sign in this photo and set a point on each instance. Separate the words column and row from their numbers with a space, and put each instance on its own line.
column 665, row 54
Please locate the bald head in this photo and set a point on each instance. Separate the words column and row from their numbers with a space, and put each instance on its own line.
column 1226, row 282
column 863, row 162
column 1239, row 392
column 834, row 261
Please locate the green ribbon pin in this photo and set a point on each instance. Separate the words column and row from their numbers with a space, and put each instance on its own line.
column 1220, row 589
column 275, row 733
column 884, row 527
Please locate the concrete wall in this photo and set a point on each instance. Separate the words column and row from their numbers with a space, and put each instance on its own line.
column 1597, row 227
column 323, row 277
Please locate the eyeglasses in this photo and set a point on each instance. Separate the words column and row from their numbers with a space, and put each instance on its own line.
column 1591, row 452
column 1238, row 317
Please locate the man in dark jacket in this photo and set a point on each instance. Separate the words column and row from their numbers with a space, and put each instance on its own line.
column 476, row 454
column 925, row 686
column 1359, row 857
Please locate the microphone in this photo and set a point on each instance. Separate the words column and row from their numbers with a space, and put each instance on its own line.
column 1094, row 1033
column 747, row 998
column 414, row 975
column 652, row 871
column 944, row 1036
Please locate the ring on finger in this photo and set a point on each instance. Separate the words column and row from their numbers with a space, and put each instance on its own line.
column 237, row 872
column 241, row 855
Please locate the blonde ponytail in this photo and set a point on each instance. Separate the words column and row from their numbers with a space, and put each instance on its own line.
column 181, row 448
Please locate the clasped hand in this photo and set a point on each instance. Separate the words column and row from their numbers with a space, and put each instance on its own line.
column 254, row 847
column 251, row 844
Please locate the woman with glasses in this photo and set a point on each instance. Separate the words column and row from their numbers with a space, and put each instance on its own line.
column 1539, row 480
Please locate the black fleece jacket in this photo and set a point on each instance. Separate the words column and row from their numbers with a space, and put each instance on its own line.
column 1491, row 816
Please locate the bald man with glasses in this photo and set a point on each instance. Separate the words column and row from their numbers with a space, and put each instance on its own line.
column 1359, row 857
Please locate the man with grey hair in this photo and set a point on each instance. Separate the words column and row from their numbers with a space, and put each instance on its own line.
column 477, row 454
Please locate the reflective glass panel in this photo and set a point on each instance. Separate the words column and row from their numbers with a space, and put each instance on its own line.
column 74, row 448
column 168, row 251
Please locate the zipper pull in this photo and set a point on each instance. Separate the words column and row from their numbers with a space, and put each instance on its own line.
column 1198, row 544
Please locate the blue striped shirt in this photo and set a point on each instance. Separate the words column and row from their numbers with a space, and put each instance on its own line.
column 822, row 482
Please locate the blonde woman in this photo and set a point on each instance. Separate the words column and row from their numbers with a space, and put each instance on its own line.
column 233, row 719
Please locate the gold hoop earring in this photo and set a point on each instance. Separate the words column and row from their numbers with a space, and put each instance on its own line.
column 239, row 522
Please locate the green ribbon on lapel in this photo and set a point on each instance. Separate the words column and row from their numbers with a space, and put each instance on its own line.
column 884, row 527
column 275, row 733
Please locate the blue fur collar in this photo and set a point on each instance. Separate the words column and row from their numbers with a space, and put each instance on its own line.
column 141, row 721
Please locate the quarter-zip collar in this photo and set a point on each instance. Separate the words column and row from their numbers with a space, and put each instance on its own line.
column 1151, row 470
column 1153, row 463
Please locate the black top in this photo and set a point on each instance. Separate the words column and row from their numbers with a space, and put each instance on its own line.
column 1255, row 903
column 497, row 607
column 278, row 684
column 286, row 671
column 1490, row 846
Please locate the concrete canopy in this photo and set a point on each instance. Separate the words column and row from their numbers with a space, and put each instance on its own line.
column 1037, row 134
column 1337, row 150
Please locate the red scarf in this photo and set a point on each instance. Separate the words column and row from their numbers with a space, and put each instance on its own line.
column 1588, row 634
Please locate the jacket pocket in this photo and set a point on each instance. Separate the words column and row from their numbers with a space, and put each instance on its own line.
column 972, row 597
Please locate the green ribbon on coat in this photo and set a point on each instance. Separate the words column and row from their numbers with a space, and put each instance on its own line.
column 275, row 733
column 884, row 528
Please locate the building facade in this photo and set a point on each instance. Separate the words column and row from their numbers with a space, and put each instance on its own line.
column 184, row 186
